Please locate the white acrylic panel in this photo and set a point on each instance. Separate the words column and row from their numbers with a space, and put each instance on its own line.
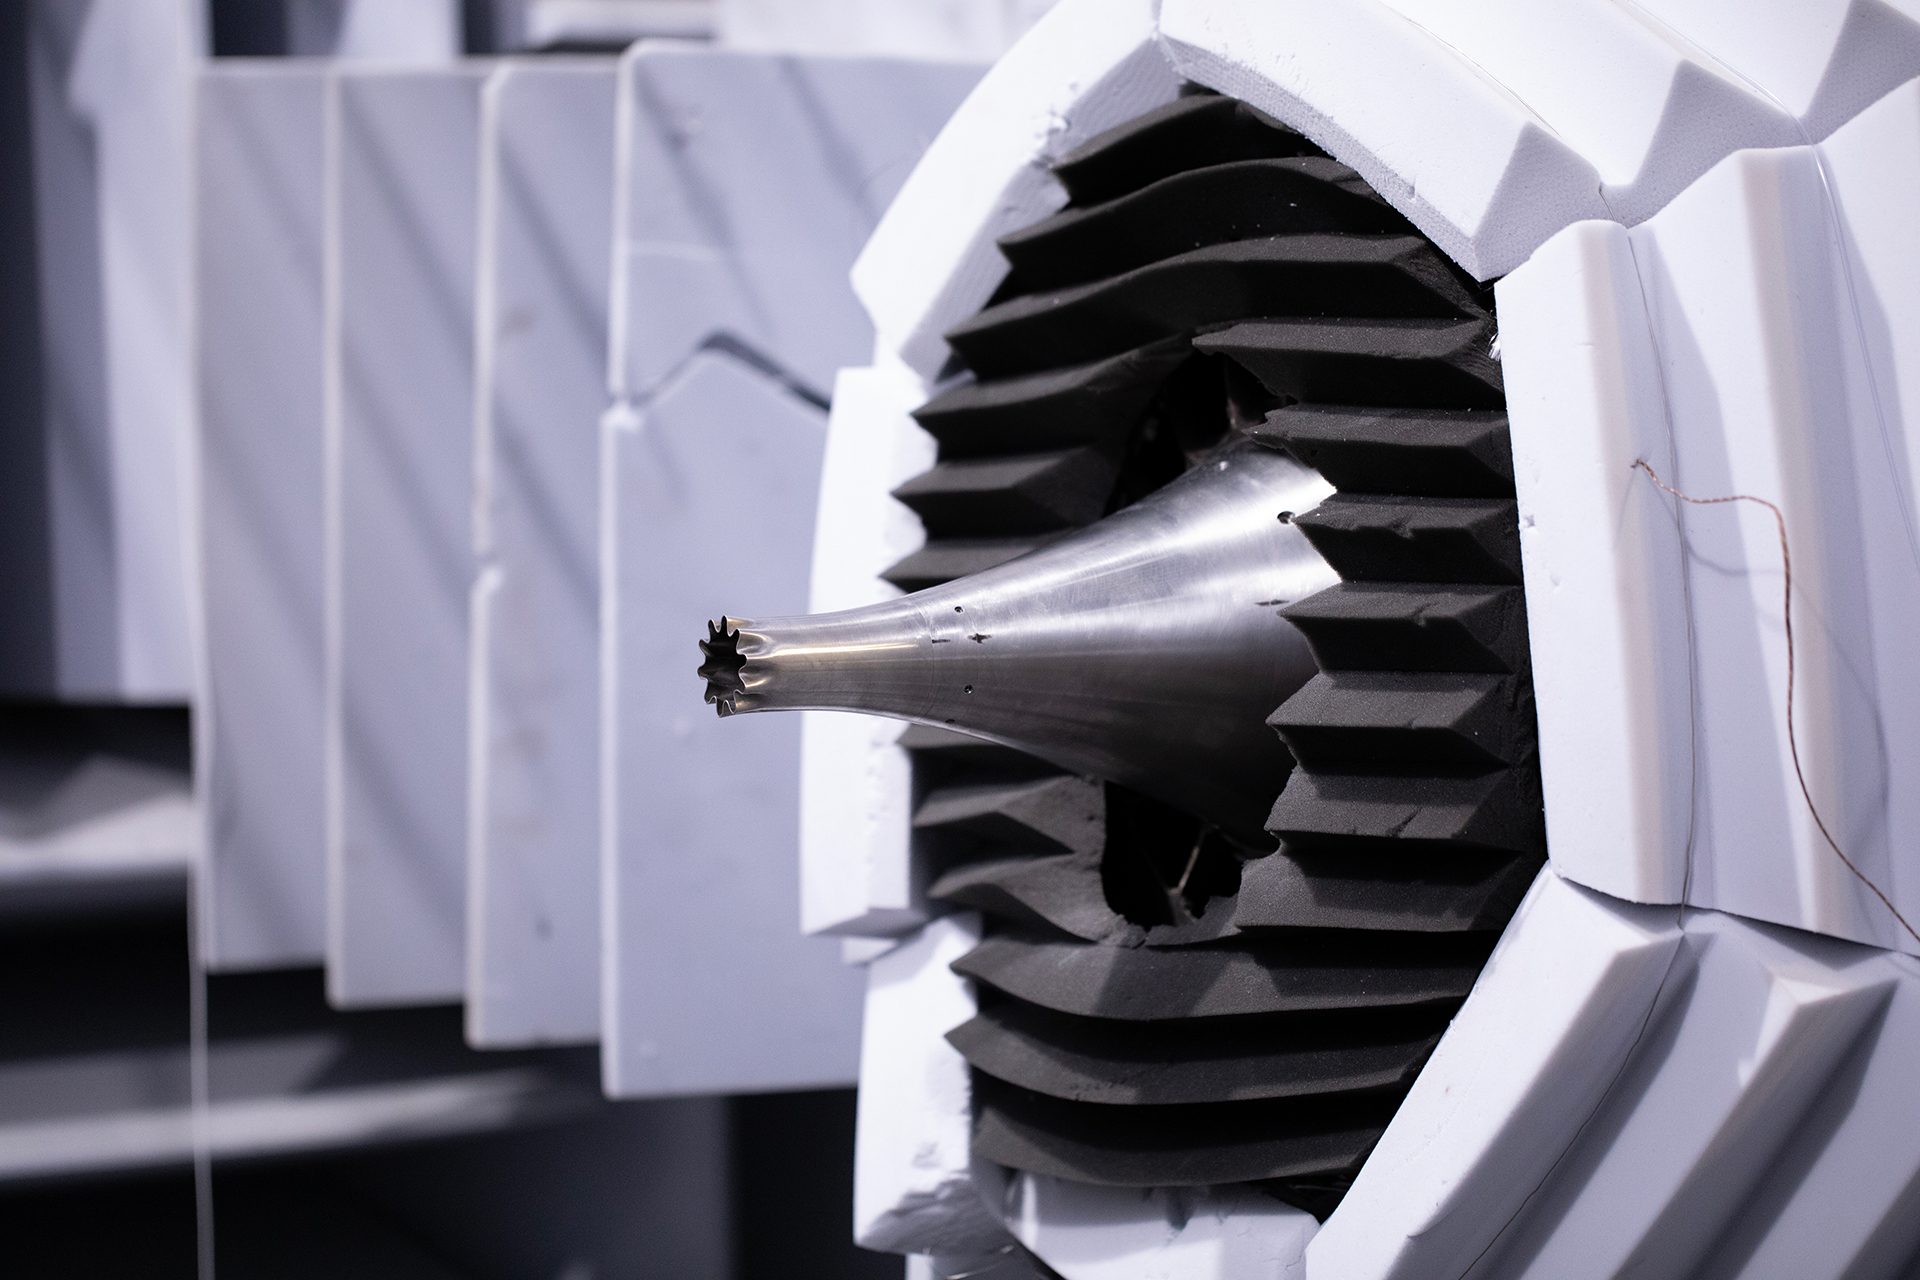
column 110, row 84
column 1084, row 68
column 748, row 184
column 864, row 950
column 402, row 206
column 546, row 196
column 873, row 445
column 856, row 869
column 259, row 145
column 709, row 985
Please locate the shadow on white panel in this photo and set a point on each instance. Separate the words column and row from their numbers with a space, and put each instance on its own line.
column 748, row 183
column 533, row 923
column 401, row 243
column 109, row 83
column 260, row 162
column 709, row 984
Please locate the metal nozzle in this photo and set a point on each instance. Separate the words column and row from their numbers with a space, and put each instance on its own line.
column 721, row 670
column 1147, row 649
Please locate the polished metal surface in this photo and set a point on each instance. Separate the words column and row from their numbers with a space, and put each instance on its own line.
column 1147, row 649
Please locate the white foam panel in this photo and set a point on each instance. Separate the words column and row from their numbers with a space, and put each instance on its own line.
column 110, row 83
column 748, row 182
column 944, row 30
column 1758, row 1023
column 1638, row 1090
column 913, row 1191
column 1086, row 1232
column 546, row 196
column 1728, row 343
column 709, row 986
column 1842, row 1197
column 1491, row 127
column 1538, row 1043
column 1634, row 1090
column 744, row 186
column 856, row 872
column 402, row 208
column 1821, row 61
column 1085, row 67
column 1494, row 126
column 260, row 158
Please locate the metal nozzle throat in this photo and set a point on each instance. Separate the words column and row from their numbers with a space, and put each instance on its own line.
column 1146, row 649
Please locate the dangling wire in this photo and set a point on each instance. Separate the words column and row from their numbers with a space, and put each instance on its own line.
column 1786, row 611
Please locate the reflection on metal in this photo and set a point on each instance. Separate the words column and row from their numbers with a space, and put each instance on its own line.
column 1147, row 649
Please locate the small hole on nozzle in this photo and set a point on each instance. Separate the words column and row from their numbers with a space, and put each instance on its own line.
column 968, row 689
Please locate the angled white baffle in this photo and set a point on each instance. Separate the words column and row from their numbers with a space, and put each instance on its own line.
column 259, row 187
column 403, row 151
column 533, row 902
column 1651, row 1091
column 109, row 84
column 1752, row 338
column 746, row 185
column 1492, row 126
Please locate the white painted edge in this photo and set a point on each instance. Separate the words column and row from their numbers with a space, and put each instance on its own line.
column 1088, row 1232
column 855, row 781
column 1601, row 556
column 1546, row 1030
column 913, row 1189
column 1465, row 160
column 1084, row 68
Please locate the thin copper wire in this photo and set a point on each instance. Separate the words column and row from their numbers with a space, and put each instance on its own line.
column 1786, row 611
